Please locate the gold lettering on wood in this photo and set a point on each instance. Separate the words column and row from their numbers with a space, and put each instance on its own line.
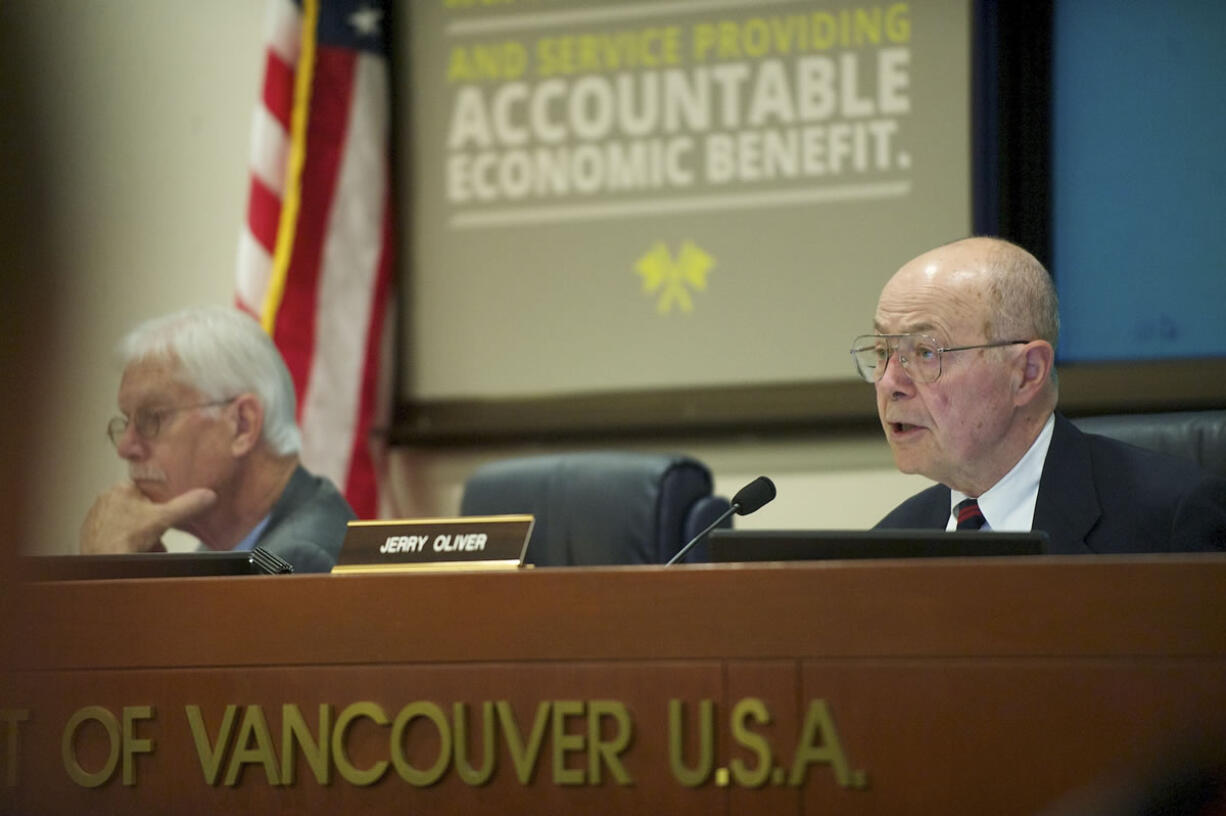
column 523, row 756
column 607, row 752
column 351, row 774
column 417, row 776
column 10, row 718
column 696, row 775
column 750, row 708
column 469, row 774
column 68, row 750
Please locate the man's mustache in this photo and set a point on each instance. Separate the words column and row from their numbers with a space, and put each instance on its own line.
column 146, row 473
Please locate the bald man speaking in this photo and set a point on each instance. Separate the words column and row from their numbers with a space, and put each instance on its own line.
column 963, row 362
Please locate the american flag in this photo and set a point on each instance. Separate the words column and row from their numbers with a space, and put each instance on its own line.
column 315, row 258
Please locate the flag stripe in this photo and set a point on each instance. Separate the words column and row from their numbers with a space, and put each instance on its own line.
column 326, row 134
column 270, row 148
column 255, row 265
column 263, row 213
column 371, row 412
column 279, row 89
column 348, row 267
column 283, row 27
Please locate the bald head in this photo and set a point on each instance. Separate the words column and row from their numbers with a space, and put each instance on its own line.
column 1012, row 295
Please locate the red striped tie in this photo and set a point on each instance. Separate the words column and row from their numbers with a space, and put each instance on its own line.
column 969, row 515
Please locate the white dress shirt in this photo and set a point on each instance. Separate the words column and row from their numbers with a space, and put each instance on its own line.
column 1008, row 505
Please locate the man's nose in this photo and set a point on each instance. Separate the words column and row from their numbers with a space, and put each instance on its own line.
column 895, row 379
column 130, row 445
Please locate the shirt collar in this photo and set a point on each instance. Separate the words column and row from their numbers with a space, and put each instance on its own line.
column 248, row 542
column 1009, row 504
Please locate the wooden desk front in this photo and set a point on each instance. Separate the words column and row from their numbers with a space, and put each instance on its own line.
column 977, row 686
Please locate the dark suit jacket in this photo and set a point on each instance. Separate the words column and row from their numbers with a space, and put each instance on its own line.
column 1097, row 495
column 307, row 524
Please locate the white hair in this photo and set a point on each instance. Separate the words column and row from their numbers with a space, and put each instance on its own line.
column 223, row 352
column 1025, row 295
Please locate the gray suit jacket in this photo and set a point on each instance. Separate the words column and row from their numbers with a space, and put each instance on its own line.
column 1097, row 495
column 307, row 524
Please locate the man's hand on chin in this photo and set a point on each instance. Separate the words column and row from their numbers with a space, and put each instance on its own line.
column 123, row 520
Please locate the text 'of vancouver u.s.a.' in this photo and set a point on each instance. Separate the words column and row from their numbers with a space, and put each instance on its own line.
column 563, row 742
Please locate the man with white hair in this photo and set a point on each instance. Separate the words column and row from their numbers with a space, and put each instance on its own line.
column 209, row 434
column 963, row 362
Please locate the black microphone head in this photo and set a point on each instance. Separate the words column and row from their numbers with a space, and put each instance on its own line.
column 753, row 495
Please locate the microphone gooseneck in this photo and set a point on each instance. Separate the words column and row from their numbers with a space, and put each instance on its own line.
column 748, row 499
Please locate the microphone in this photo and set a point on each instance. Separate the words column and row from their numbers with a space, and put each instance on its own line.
column 748, row 499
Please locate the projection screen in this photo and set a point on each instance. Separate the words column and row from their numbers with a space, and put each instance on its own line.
column 602, row 197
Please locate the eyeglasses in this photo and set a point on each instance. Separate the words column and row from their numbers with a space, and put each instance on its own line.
column 919, row 354
column 148, row 422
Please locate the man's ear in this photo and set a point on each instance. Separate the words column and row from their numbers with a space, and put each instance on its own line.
column 248, row 415
column 1034, row 371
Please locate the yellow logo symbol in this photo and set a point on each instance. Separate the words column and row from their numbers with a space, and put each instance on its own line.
column 671, row 280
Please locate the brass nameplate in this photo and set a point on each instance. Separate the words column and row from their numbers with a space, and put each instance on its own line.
column 463, row 543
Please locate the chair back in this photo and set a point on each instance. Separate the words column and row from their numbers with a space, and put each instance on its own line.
column 1196, row 435
column 606, row 507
